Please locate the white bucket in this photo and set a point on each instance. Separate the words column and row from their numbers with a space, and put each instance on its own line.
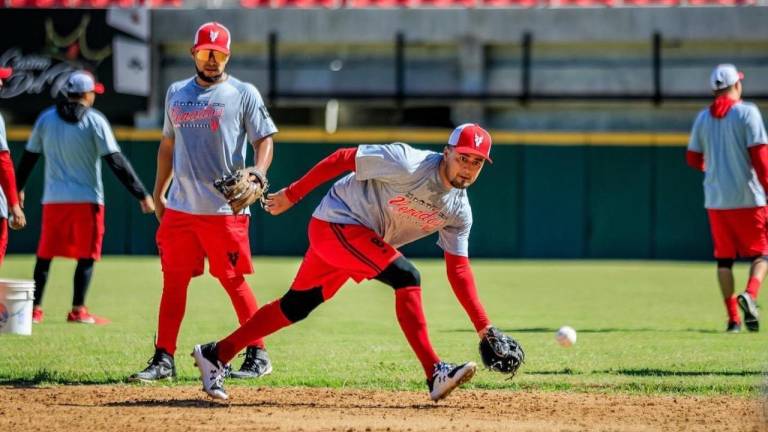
column 16, row 297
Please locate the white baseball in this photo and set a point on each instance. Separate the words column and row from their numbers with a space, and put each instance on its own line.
column 566, row 336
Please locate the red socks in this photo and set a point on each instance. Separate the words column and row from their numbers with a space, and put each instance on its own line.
column 410, row 315
column 243, row 301
column 264, row 322
column 733, row 310
column 753, row 286
column 173, row 303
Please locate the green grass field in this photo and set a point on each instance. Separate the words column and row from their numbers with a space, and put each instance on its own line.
column 644, row 327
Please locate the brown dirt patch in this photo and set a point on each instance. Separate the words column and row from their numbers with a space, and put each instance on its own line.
column 302, row 409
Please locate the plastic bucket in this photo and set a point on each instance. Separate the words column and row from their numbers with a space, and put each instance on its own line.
column 16, row 297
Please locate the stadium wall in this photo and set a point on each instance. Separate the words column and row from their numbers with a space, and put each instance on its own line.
column 548, row 195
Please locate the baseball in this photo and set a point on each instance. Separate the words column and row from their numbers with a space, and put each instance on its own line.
column 566, row 336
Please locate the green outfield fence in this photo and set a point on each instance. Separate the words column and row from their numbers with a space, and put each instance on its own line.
column 547, row 195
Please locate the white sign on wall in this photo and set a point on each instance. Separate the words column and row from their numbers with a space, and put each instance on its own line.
column 131, row 66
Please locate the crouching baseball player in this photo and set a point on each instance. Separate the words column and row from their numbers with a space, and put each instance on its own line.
column 394, row 195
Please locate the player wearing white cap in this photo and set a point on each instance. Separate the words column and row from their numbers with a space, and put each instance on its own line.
column 74, row 138
column 728, row 143
column 210, row 119
column 392, row 195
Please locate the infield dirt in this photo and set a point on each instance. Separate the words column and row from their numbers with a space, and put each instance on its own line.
column 126, row 407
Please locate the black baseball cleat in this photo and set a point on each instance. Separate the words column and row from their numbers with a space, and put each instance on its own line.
column 255, row 365
column 447, row 377
column 212, row 371
column 733, row 327
column 160, row 367
column 749, row 307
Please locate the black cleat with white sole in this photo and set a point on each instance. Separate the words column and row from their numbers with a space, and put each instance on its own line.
column 255, row 365
column 749, row 307
column 159, row 367
column 212, row 371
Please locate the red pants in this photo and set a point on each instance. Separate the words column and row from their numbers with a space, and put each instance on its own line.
column 739, row 232
column 338, row 252
column 71, row 230
column 184, row 240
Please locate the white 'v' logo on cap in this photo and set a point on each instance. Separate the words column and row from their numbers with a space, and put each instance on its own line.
column 214, row 35
column 478, row 140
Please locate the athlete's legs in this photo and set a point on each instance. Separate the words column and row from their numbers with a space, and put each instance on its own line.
column 757, row 272
column 82, row 280
column 243, row 301
column 40, row 275
column 726, row 282
column 406, row 281
column 314, row 280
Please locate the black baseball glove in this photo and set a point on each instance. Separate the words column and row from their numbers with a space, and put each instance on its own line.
column 242, row 188
column 501, row 353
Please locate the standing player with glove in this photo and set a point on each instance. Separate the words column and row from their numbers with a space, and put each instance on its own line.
column 209, row 121
column 10, row 204
column 394, row 195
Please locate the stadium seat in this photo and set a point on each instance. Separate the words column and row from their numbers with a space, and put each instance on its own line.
column 254, row 3
column 509, row 3
column 376, row 3
column 650, row 2
column 580, row 3
column 442, row 3
column 305, row 3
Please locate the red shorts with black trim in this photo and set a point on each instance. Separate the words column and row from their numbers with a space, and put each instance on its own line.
column 184, row 240
column 739, row 233
column 3, row 238
column 71, row 230
column 338, row 252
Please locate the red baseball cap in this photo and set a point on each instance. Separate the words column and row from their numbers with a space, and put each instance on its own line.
column 5, row 72
column 212, row 36
column 472, row 139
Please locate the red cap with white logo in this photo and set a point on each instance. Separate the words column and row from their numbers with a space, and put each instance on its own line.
column 212, row 36
column 472, row 139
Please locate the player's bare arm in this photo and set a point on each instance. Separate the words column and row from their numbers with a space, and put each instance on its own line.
column 164, row 174
column 262, row 154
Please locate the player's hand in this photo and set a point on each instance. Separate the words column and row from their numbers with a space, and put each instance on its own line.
column 147, row 205
column 17, row 220
column 160, row 207
column 277, row 203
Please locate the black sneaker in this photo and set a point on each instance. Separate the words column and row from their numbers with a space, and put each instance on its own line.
column 255, row 365
column 749, row 307
column 212, row 371
column 733, row 327
column 160, row 367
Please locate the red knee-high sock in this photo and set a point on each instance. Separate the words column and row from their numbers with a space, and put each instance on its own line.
column 243, row 300
column 172, row 306
column 264, row 322
column 733, row 309
column 753, row 286
column 410, row 315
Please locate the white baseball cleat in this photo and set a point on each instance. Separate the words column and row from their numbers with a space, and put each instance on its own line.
column 447, row 377
column 212, row 372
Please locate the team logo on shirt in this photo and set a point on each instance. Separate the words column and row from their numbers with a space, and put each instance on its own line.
column 428, row 216
column 202, row 115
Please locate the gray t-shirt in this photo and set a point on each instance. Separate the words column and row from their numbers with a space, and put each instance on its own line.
column 211, row 128
column 730, row 181
column 73, row 154
column 3, row 147
column 396, row 191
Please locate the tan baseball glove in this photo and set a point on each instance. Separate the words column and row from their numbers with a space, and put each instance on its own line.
column 242, row 188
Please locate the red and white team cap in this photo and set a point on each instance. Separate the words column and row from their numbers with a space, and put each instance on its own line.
column 472, row 139
column 214, row 36
column 724, row 76
column 5, row 72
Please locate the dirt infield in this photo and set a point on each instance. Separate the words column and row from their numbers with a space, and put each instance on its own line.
column 301, row 409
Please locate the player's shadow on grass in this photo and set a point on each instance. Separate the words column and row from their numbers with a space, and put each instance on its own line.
column 596, row 330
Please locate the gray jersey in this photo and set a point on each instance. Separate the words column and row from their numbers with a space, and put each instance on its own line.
column 730, row 181
column 73, row 154
column 3, row 147
column 211, row 128
column 396, row 191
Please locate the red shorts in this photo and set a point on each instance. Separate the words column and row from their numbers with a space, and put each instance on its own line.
column 338, row 252
column 184, row 240
column 3, row 238
column 71, row 230
column 739, row 232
